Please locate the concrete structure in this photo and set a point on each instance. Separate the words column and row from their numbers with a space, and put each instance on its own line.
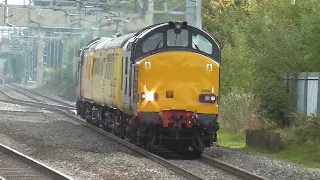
column 305, row 88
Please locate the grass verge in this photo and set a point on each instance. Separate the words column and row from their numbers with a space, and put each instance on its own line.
column 305, row 155
column 232, row 140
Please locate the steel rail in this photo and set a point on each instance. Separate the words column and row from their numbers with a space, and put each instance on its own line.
column 54, row 174
column 229, row 168
column 137, row 149
column 38, row 94
column 15, row 88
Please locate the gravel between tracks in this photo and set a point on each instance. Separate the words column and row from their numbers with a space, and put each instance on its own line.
column 15, row 169
column 264, row 166
column 48, row 94
column 74, row 149
column 39, row 98
column 14, row 94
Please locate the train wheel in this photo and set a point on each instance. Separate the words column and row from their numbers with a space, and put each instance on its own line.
column 114, row 132
column 191, row 154
column 122, row 131
column 215, row 136
column 101, row 118
column 88, row 113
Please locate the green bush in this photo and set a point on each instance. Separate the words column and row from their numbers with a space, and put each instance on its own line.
column 304, row 130
column 238, row 111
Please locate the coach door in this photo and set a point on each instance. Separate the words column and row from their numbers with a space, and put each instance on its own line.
column 104, row 70
column 90, row 73
column 83, row 75
column 78, row 74
column 113, row 78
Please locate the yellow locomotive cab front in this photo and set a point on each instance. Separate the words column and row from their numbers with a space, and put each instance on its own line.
column 178, row 80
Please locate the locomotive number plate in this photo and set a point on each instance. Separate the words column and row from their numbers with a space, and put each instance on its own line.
column 205, row 90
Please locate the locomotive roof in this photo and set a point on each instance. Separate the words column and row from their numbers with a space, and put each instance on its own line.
column 119, row 41
column 116, row 42
column 88, row 45
column 96, row 43
column 102, row 43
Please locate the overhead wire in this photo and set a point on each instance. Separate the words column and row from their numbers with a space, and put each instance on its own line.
column 61, row 18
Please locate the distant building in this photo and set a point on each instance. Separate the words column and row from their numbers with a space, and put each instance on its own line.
column 60, row 2
column 63, row 2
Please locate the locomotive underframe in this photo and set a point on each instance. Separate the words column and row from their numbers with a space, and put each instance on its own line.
column 181, row 130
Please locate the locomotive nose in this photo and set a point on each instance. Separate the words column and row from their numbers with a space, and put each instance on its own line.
column 179, row 79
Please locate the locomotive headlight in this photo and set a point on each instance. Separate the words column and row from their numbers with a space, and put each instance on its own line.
column 178, row 26
column 207, row 98
column 149, row 96
column 213, row 98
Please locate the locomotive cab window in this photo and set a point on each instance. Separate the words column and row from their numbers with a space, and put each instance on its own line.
column 154, row 42
column 200, row 43
column 177, row 39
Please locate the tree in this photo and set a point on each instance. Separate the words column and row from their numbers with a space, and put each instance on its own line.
column 260, row 41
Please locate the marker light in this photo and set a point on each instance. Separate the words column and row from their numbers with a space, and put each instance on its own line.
column 207, row 98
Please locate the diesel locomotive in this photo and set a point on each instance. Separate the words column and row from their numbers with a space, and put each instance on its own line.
column 158, row 87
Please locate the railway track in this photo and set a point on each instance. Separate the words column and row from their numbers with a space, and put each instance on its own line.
column 42, row 98
column 53, row 102
column 15, row 165
column 173, row 166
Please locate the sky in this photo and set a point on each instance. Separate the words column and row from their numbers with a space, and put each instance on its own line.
column 17, row 2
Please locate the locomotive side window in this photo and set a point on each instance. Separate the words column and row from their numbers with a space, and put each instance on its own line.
column 201, row 43
column 122, row 72
column 174, row 39
column 126, row 67
column 153, row 42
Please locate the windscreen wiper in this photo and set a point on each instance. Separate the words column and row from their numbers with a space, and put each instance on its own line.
column 196, row 46
column 157, row 45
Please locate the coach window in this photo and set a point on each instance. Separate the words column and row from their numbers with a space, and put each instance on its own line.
column 109, row 66
column 201, row 43
column 95, row 66
column 153, row 42
column 174, row 39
